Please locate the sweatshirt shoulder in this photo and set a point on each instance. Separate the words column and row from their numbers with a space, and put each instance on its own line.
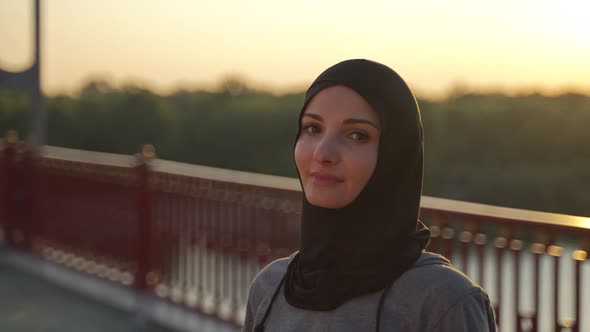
column 434, row 289
column 268, row 278
column 431, row 282
column 261, row 289
column 436, row 272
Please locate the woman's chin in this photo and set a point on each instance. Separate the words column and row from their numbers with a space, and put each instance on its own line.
column 328, row 202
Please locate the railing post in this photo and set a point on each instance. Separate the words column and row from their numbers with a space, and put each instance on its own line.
column 144, row 215
column 538, row 249
column 29, row 182
column 579, row 256
column 8, row 186
column 480, row 242
column 516, row 247
column 556, row 252
column 500, row 244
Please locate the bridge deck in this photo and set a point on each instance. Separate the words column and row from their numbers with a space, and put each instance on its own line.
column 39, row 296
column 30, row 303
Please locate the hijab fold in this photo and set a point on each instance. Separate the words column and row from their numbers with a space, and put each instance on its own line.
column 365, row 246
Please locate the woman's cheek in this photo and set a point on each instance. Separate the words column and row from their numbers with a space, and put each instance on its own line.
column 301, row 155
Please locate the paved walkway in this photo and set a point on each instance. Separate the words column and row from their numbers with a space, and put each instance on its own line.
column 29, row 303
column 39, row 296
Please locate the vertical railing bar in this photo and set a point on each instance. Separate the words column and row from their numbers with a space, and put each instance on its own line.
column 197, row 248
column 177, row 222
column 465, row 239
column 203, row 238
column 206, row 239
column 434, row 245
column 178, row 237
column 225, row 245
column 254, row 221
column 447, row 235
column 169, row 240
column 480, row 241
column 500, row 244
column 249, row 240
column 220, row 254
column 242, row 234
column 190, row 249
column 216, row 254
column 210, row 262
column 170, row 247
column 234, row 254
column 186, row 247
column 208, row 281
column 516, row 246
column 538, row 249
column 579, row 256
column 232, row 249
column 556, row 253
column 143, row 215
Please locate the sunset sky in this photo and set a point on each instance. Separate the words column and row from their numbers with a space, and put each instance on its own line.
column 283, row 45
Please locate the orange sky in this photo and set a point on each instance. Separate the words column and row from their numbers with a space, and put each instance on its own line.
column 433, row 44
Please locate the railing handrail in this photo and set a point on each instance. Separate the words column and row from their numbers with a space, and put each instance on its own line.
column 455, row 207
column 506, row 213
column 177, row 168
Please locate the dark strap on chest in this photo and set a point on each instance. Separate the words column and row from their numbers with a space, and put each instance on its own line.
column 380, row 307
column 260, row 326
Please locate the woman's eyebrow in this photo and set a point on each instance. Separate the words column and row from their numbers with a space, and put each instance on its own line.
column 313, row 116
column 347, row 121
column 354, row 120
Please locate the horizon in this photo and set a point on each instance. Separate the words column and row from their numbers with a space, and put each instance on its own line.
column 456, row 89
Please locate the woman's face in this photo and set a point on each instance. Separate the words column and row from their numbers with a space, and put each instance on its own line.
column 337, row 149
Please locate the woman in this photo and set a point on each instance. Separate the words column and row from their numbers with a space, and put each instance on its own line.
column 362, row 264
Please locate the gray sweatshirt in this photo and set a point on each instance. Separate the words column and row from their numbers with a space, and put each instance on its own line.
column 430, row 296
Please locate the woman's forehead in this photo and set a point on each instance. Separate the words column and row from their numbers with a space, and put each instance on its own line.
column 341, row 102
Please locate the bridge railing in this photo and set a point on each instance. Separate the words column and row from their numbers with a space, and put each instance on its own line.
column 196, row 236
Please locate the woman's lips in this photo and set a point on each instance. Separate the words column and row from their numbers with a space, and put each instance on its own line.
column 324, row 179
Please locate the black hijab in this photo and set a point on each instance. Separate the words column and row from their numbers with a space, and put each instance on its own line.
column 365, row 246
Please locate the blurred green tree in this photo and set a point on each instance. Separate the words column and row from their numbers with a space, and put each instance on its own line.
column 526, row 151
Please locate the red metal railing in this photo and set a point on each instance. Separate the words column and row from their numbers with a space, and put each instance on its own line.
column 196, row 236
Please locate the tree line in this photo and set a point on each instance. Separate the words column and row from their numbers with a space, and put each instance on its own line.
column 526, row 151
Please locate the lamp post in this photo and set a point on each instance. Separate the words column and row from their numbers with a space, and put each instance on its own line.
column 30, row 80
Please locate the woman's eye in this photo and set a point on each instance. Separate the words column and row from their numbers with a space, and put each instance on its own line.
column 311, row 129
column 358, row 136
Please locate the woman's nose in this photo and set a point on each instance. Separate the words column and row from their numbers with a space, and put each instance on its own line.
column 326, row 151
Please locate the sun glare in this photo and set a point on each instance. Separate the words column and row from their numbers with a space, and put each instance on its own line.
column 569, row 21
column 585, row 222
